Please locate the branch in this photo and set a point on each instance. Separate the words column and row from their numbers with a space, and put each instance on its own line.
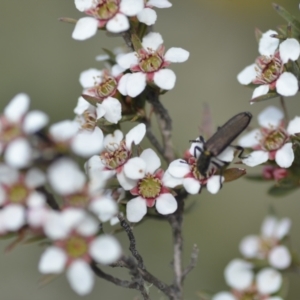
column 132, row 241
column 193, row 262
column 164, row 121
column 153, row 140
column 49, row 198
column 175, row 221
column 112, row 279
column 147, row 276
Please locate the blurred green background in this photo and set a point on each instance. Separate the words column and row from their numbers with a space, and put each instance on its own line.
column 39, row 57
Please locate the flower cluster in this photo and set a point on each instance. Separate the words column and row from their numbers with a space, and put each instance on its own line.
column 271, row 70
column 249, row 279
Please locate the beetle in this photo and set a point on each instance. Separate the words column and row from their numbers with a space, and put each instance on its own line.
column 217, row 143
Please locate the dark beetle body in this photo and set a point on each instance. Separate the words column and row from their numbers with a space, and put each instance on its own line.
column 221, row 140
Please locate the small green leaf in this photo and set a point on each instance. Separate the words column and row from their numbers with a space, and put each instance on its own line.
column 287, row 16
column 68, row 20
column 264, row 97
column 258, row 34
column 255, row 177
column 280, row 191
column 93, row 101
column 136, row 42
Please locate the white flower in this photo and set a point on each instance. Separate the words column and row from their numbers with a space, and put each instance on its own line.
column 101, row 86
column 148, row 65
column 268, row 244
column 110, row 14
column 272, row 140
column 148, row 15
column 146, row 181
column 240, row 276
column 268, row 71
column 85, row 141
column 116, row 155
column 16, row 125
column 18, row 195
column 187, row 173
column 77, row 246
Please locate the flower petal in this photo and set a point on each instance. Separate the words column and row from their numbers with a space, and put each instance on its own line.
column 214, row 183
column 88, row 77
column 287, row 84
column 65, row 176
column 268, row 281
column 18, row 153
column 268, row 227
column 247, row 75
column 113, row 139
column 165, row 79
column 85, row 28
column 294, row 126
column 147, row 16
column 113, row 110
column 118, row 23
column 131, row 7
column 135, row 135
column 238, row 274
column 135, row 168
column 249, row 246
column 136, row 209
column 152, row 40
column 17, row 107
column 177, row 55
column 87, row 143
column 53, row 260
column 191, row 185
column 125, row 182
column 135, row 84
column 280, row 257
column 289, row 50
column 282, row 228
column 256, row 158
column 34, row 121
column 13, row 217
column 285, row 156
column 63, row 131
column 171, row 181
column 104, row 207
column 271, row 116
column 127, row 60
column 179, row 168
column 267, row 44
column 152, row 160
column 166, row 204
column 105, row 249
column 223, row 296
column 159, row 3
column 83, row 5
column 260, row 91
column 80, row 277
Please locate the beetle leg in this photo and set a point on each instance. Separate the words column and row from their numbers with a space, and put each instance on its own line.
column 241, row 149
column 195, row 150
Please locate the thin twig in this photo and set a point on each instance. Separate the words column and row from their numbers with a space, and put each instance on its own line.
column 192, row 264
column 49, row 198
column 164, row 121
column 283, row 106
column 147, row 276
column 153, row 140
column 175, row 221
column 132, row 241
column 135, row 272
column 112, row 279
